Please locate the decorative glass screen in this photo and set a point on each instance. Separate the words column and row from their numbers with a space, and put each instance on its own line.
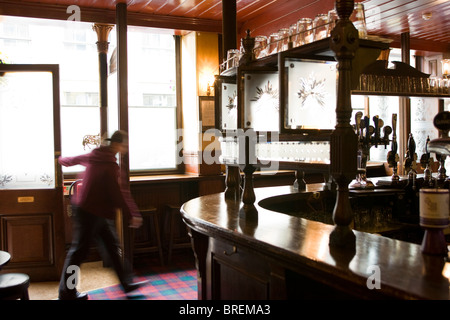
column 26, row 131
column 311, row 102
column 262, row 112
column 229, row 106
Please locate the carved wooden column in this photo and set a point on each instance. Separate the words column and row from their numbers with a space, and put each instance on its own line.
column 233, row 188
column 103, row 31
column 344, row 43
column 248, row 210
column 249, row 141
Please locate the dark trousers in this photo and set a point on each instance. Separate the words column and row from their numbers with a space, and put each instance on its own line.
column 87, row 229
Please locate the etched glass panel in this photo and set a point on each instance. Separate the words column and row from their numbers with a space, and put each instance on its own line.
column 229, row 106
column 26, row 131
column 311, row 100
column 262, row 102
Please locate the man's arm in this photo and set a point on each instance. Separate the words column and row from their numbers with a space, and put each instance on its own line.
column 73, row 161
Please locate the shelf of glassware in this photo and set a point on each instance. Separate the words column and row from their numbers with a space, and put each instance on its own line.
column 317, row 49
column 401, row 94
column 297, row 153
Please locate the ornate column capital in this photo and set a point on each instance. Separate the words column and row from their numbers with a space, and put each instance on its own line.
column 102, row 31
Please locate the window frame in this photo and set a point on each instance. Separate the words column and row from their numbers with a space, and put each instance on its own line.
column 180, row 168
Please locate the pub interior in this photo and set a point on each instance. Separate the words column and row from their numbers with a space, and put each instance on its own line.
column 296, row 149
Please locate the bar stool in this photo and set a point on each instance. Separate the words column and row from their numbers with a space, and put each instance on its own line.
column 152, row 214
column 174, row 215
column 14, row 286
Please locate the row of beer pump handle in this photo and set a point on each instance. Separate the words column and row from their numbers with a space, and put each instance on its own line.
column 377, row 134
column 368, row 136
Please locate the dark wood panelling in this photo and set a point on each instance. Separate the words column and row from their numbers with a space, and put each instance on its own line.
column 33, row 232
column 28, row 239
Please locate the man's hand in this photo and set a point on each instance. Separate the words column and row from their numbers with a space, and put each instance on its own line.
column 135, row 222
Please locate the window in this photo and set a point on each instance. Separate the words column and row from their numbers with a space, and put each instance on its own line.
column 152, row 100
column 151, row 75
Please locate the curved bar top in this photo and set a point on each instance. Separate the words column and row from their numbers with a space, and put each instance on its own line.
column 404, row 272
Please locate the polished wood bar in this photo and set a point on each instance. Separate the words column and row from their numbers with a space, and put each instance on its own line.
column 280, row 256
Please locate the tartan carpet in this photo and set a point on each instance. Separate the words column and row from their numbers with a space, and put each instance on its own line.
column 175, row 282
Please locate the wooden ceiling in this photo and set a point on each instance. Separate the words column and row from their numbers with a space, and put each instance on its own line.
column 387, row 18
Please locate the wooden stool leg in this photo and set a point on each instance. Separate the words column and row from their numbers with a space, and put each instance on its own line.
column 171, row 231
column 158, row 238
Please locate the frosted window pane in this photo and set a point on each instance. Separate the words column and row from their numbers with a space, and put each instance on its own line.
column 423, row 111
column 26, row 131
column 384, row 107
column 153, row 138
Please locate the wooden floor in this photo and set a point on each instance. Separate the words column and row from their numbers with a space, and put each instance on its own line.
column 93, row 276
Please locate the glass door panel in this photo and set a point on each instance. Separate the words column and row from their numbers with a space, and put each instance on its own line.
column 26, row 131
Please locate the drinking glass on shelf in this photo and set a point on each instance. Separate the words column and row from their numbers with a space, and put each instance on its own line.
column 418, row 84
column 320, row 25
column 441, row 84
column 363, row 82
column 445, row 86
column 332, row 20
column 304, row 28
column 233, row 56
column 389, row 84
column 293, row 35
column 359, row 20
column 283, row 37
column 260, row 47
column 425, row 84
column 273, row 43
column 432, row 85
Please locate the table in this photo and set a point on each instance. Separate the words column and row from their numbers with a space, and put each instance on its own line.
column 4, row 258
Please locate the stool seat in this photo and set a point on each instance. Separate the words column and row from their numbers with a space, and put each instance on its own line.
column 14, row 286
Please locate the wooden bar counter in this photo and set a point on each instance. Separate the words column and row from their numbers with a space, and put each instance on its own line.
column 271, row 255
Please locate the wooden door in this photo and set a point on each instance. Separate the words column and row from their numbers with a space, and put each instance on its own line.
column 31, row 192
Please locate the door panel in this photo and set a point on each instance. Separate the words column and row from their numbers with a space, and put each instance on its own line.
column 35, row 247
column 31, row 193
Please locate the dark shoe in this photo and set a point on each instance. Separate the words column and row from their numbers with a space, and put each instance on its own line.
column 73, row 296
column 133, row 286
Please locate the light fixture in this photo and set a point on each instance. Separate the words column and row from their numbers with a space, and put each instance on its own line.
column 206, row 83
column 427, row 16
column 445, row 67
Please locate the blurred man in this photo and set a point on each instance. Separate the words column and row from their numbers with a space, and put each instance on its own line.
column 94, row 212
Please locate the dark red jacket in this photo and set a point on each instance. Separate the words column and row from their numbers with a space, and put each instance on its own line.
column 101, row 193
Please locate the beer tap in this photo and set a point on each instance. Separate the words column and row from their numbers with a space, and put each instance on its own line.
column 425, row 163
column 368, row 136
column 410, row 156
column 358, row 117
column 386, row 132
column 442, row 171
column 376, row 122
column 392, row 156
